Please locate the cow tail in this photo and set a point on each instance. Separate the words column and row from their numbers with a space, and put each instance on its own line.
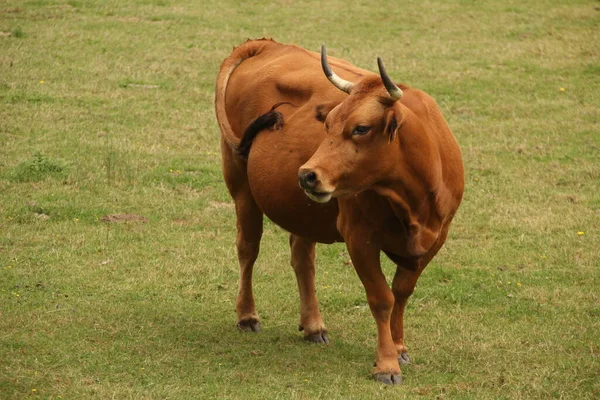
column 239, row 54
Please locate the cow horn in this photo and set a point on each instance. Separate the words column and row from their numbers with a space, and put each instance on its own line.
column 342, row 84
column 394, row 91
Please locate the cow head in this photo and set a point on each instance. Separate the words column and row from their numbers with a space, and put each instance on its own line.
column 356, row 152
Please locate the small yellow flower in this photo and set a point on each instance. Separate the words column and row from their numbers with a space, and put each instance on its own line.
column 76, row 219
column 42, row 82
column 33, row 390
column 580, row 233
column 562, row 89
column 519, row 284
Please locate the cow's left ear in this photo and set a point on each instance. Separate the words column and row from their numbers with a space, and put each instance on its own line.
column 392, row 123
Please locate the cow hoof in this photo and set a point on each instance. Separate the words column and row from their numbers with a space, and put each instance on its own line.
column 404, row 358
column 319, row 337
column 388, row 379
column 249, row 325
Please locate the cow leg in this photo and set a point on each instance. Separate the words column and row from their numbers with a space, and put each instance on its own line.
column 303, row 262
column 402, row 286
column 249, row 233
column 381, row 301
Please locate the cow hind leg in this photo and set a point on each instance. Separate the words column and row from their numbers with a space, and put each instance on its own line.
column 303, row 262
column 249, row 233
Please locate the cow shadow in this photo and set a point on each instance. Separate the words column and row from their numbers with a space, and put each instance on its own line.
column 278, row 350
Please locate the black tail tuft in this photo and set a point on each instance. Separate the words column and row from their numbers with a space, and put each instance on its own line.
column 272, row 120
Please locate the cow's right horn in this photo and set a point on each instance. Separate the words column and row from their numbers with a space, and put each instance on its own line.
column 394, row 91
column 342, row 84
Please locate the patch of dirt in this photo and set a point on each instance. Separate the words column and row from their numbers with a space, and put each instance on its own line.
column 13, row 10
column 221, row 205
column 142, row 86
column 123, row 218
column 130, row 19
column 42, row 216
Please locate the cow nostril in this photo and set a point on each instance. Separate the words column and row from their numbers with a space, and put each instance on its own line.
column 308, row 179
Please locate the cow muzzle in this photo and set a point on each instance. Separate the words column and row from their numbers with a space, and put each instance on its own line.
column 310, row 183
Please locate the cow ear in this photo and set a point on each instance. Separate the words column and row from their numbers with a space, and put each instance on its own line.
column 392, row 123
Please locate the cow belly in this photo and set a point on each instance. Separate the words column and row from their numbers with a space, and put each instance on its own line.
column 273, row 164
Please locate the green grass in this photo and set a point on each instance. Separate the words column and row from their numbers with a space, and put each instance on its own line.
column 106, row 107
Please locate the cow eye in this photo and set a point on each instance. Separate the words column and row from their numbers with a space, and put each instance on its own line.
column 361, row 130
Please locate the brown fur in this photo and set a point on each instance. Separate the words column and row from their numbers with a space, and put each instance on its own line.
column 395, row 189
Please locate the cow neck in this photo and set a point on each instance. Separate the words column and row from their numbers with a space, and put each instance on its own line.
column 414, row 187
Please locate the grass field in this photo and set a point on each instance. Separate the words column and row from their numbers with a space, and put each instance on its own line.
column 106, row 107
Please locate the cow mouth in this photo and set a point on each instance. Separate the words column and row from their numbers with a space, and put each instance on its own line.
column 319, row 197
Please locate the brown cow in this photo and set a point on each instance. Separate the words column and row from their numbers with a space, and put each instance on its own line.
column 379, row 161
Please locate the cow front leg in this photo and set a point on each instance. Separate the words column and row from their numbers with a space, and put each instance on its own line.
column 381, row 301
column 403, row 286
column 249, row 233
column 408, row 272
column 303, row 262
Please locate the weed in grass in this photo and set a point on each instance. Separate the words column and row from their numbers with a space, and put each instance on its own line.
column 39, row 167
column 18, row 32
